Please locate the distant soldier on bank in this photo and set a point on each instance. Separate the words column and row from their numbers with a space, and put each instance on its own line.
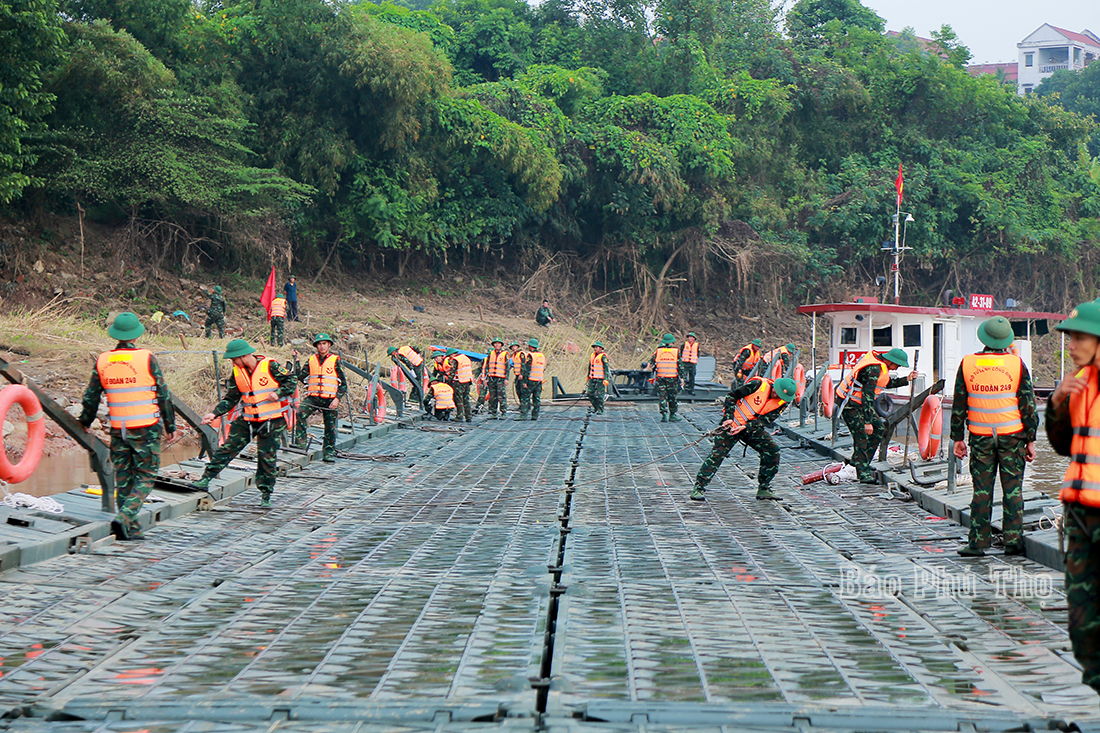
column 598, row 373
column 544, row 317
column 689, row 360
column 665, row 366
column 746, row 359
column 215, row 312
column 326, row 386
column 138, row 408
column 277, row 317
column 263, row 388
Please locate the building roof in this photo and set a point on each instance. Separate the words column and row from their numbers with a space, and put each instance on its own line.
column 1010, row 70
column 1088, row 37
column 938, row 311
column 1047, row 33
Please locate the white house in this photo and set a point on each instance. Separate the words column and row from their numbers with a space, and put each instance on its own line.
column 1049, row 49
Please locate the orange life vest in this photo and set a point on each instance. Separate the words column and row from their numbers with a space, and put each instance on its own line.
column 857, row 394
column 127, row 378
column 596, row 366
column 1081, row 484
column 752, row 358
column 770, row 356
column 258, row 392
column 410, row 353
column 991, row 383
column 517, row 362
column 323, row 381
column 664, row 361
column 464, row 374
column 444, row 395
column 690, row 353
column 278, row 308
column 759, row 403
column 496, row 364
column 538, row 367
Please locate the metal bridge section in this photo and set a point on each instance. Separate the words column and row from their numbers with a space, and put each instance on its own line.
column 540, row 575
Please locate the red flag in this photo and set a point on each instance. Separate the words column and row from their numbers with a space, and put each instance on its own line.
column 900, row 184
column 269, row 293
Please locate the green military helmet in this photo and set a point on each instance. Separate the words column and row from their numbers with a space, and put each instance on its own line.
column 785, row 389
column 692, row 335
column 791, row 348
column 533, row 343
column 238, row 348
column 450, row 352
column 322, row 337
column 597, row 343
column 996, row 333
column 390, row 351
column 218, row 289
column 667, row 339
column 514, row 343
column 1085, row 318
column 496, row 341
column 897, row 356
column 757, row 342
column 126, row 327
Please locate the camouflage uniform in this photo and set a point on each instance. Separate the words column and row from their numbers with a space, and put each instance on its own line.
column 278, row 336
column 1082, row 530
column 987, row 453
column 755, row 436
column 268, row 434
column 497, row 388
column 856, row 415
column 530, row 393
column 667, row 387
column 135, row 454
column 596, row 390
column 462, row 392
column 523, row 395
column 313, row 403
column 215, row 314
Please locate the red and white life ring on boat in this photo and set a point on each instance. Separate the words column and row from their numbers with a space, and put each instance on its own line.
column 930, row 427
column 800, row 380
column 379, row 415
column 776, row 370
column 36, row 432
column 827, row 395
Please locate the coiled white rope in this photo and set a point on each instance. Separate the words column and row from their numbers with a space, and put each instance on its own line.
column 38, row 503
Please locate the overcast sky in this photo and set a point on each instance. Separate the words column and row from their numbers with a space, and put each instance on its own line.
column 990, row 30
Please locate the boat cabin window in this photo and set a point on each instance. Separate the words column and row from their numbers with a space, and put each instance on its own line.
column 848, row 336
column 910, row 335
column 884, row 336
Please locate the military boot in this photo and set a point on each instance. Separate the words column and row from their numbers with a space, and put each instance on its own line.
column 675, row 418
column 969, row 550
column 201, row 484
column 766, row 494
column 265, row 498
column 664, row 417
column 697, row 494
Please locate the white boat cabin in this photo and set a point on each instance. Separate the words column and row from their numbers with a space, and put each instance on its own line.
column 936, row 338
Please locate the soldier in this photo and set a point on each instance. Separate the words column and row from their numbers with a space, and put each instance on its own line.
column 277, row 318
column 746, row 414
column 517, row 357
column 410, row 357
column 215, row 312
column 689, row 359
column 868, row 378
column 442, row 398
column 460, row 375
column 784, row 353
column 532, row 372
column 746, row 359
column 1073, row 427
column 138, row 407
column 993, row 395
column 263, row 388
column 598, row 372
column 326, row 385
column 664, row 364
column 495, row 370
column 544, row 317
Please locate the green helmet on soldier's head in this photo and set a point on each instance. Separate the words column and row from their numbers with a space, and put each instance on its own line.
column 996, row 333
column 322, row 337
column 792, row 348
column 667, row 339
column 597, row 343
column 1085, row 318
column 390, row 351
column 785, row 389
column 238, row 348
column 126, row 327
column 897, row 356
column 757, row 342
column 533, row 343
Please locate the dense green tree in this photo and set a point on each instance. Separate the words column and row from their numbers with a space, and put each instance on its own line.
column 1077, row 91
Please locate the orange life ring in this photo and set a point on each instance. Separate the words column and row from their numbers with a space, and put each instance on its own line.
column 775, row 370
column 930, row 427
column 800, row 380
column 36, row 432
column 380, row 405
column 827, row 395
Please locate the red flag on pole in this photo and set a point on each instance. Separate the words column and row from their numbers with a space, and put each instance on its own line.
column 900, row 184
column 269, row 293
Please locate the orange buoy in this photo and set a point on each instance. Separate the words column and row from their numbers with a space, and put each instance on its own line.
column 775, row 371
column 930, row 427
column 827, row 395
column 800, row 380
column 380, row 405
column 36, row 432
